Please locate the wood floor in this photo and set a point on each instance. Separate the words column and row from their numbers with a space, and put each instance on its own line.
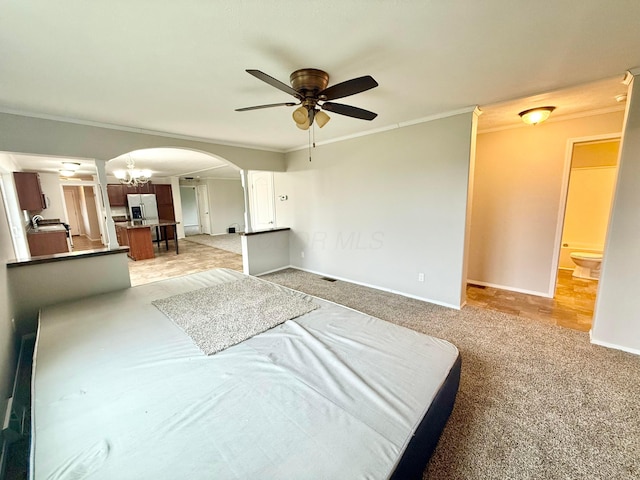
column 572, row 306
column 80, row 243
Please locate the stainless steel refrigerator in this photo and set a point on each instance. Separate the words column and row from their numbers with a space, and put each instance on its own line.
column 143, row 207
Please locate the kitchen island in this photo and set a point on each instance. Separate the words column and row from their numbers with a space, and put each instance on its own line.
column 136, row 234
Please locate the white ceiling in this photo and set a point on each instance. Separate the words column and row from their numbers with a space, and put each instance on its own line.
column 178, row 67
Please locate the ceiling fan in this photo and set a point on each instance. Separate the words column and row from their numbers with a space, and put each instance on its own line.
column 309, row 87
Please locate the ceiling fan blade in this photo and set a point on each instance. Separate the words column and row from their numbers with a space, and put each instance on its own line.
column 349, row 111
column 274, row 82
column 350, row 87
column 258, row 107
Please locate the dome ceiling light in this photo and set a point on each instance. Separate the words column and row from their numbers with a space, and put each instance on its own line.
column 537, row 115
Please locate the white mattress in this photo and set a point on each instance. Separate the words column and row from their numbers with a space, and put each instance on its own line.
column 120, row 392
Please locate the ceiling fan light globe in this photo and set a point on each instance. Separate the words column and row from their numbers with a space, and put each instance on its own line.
column 300, row 115
column 303, row 126
column 321, row 118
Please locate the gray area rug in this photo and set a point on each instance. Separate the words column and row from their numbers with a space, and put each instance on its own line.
column 223, row 315
column 229, row 242
column 536, row 401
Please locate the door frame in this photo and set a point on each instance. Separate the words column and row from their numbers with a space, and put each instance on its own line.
column 207, row 220
column 562, row 206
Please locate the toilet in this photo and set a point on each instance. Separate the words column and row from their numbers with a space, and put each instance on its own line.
column 587, row 265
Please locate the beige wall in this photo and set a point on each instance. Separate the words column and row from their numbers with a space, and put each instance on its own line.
column 383, row 208
column 22, row 134
column 617, row 314
column 226, row 205
column 92, row 226
column 588, row 205
column 517, row 201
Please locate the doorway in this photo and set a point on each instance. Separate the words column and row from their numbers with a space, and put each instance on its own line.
column 590, row 178
column 81, row 208
column 190, row 216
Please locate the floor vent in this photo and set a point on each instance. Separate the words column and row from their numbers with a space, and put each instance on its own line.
column 327, row 279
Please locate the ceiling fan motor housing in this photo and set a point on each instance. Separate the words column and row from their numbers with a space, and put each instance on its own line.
column 309, row 80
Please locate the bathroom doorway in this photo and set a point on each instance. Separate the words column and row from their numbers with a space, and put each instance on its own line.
column 590, row 177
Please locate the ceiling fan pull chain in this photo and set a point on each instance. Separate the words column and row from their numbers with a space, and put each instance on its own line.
column 309, row 131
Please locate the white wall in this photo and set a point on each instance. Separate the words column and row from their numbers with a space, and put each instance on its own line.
column 226, row 204
column 7, row 340
column 517, row 200
column 92, row 225
column 383, row 208
column 34, row 286
column 50, row 183
column 617, row 313
column 265, row 252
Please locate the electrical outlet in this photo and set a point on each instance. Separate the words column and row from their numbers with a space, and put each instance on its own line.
column 302, row 254
column 421, row 277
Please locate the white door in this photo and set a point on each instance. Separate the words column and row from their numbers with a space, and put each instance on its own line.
column 203, row 209
column 262, row 200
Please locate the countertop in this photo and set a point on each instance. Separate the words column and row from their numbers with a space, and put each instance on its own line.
column 145, row 223
column 47, row 229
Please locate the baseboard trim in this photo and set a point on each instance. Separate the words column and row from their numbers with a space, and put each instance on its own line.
column 272, row 271
column 614, row 346
column 377, row 287
column 510, row 289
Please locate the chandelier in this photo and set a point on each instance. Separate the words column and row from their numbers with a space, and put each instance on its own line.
column 132, row 176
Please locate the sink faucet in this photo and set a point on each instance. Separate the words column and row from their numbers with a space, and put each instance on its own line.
column 35, row 219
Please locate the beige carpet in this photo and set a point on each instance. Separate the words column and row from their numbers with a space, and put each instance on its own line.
column 536, row 401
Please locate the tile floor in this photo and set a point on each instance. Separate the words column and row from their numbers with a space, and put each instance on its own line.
column 572, row 306
column 193, row 257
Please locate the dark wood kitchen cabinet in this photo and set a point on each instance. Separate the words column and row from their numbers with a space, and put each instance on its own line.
column 117, row 195
column 164, row 199
column 29, row 191
column 131, row 190
column 47, row 243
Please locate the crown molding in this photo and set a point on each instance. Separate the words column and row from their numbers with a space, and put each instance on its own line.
column 122, row 128
column 395, row 126
column 632, row 71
